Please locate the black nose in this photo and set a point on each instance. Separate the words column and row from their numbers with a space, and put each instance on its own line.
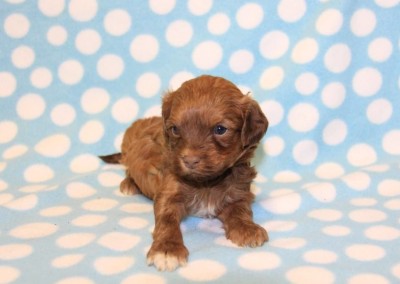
column 190, row 161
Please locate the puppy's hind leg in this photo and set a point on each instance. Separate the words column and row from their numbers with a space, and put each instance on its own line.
column 128, row 186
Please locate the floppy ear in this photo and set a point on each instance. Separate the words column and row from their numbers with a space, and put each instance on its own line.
column 255, row 124
column 166, row 106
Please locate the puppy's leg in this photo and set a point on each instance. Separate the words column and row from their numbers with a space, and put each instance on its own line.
column 167, row 251
column 128, row 186
column 239, row 226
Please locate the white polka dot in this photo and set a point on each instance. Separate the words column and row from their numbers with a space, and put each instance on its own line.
column 387, row 3
column 287, row 177
column 67, row 261
column 110, row 179
column 100, row 205
column 335, row 132
column 320, row 256
column 144, row 278
column 16, row 25
column 393, row 204
column 35, row 188
column 9, row 274
column 325, row 215
column 118, row 241
column 179, row 33
column 378, row 168
column 8, row 84
column 338, row 57
column 390, row 142
column 83, row 11
column 79, row 190
column 162, row 8
column 274, row 111
column 364, row 252
column 207, row 55
column 310, row 275
column 8, row 131
column 379, row 111
column 396, row 270
column 241, row 61
column 282, row 201
column 112, row 265
column 274, row 146
column 110, row 67
column 15, row 1
column 14, row 151
column 292, row 10
column 23, row 57
column 53, row 146
column 272, row 77
column 368, row 278
column 38, row 173
column 363, row 202
column 95, row 100
column 88, row 41
column 71, row 72
column 307, row 83
column 322, row 191
column 199, row 8
column 389, row 188
column 24, row 203
column 357, row 181
column 63, row 114
column 51, row 8
column 84, row 163
column 333, row 95
column 194, row 270
column 305, row 152
column 250, row 16
column 33, row 231
column 75, row 240
column 288, row 243
column 361, row 155
column 274, row 45
column 55, row 211
column 336, row 231
column 148, row 84
column 15, row 251
column 280, row 226
column 178, row 79
column 303, row 117
column 218, row 24
column 305, row 51
column 363, row 22
column 125, row 110
column 133, row 223
column 117, row 22
column 367, row 216
column 89, row 220
column 259, row 261
column 91, row 132
column 382, row 233
column 144, row 48
column 57, row 35
column 329, row 171
column 329, row 22
column 137, row 207
column 367, row 81
column 41, row 77
column 31, row 106
column 75, row 280
column 380, row 49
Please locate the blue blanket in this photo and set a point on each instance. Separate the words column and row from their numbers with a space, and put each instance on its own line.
column 74, row 75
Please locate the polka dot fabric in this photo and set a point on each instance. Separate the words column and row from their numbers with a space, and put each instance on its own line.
column 74, row 74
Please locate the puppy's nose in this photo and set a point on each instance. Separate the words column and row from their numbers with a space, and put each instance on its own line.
column 190, row 161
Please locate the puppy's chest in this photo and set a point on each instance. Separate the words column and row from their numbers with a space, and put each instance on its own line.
column 205, row 203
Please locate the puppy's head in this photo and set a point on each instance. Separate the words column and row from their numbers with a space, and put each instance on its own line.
column 209, row 126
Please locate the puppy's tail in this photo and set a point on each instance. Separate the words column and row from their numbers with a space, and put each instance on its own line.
column 112, row 159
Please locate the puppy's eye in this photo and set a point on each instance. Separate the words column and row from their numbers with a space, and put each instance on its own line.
column 220, row 130
column 175, row 130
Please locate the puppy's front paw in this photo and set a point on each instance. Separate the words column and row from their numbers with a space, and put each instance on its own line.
column 247, row 235
column 167, row 255
column 128, row 187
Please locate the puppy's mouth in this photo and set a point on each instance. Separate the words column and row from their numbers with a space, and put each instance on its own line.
column 198, row 170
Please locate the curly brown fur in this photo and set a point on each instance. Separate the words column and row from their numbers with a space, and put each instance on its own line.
column 195, row 160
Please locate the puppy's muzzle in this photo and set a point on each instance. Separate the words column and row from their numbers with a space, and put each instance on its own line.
column 190, row 162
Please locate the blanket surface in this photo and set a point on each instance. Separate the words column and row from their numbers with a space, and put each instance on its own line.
column 75, row 74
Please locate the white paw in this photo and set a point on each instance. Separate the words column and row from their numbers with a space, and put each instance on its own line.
column 165, row 262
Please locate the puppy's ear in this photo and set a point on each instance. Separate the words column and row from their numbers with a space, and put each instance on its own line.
column 255, row 124
column 166, row 106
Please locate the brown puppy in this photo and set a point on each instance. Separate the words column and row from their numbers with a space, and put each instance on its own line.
column 195, row 160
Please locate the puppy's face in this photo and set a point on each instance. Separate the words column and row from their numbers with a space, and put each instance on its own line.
column 209, row 124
